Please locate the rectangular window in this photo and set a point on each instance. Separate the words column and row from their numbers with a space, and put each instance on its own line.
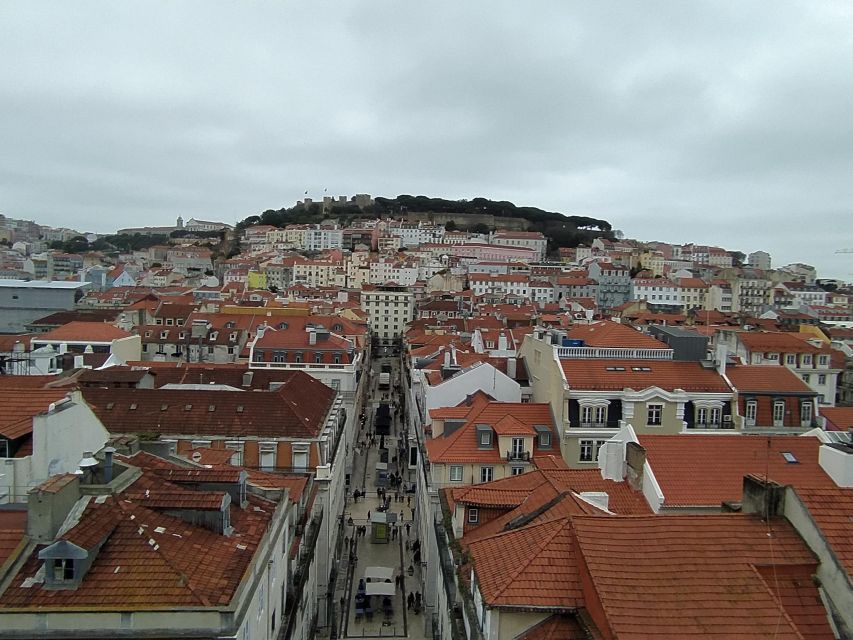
column 823, row 360
column 487, row 474
column 821, row 379
column 517, row 471
column 517, row 447
column 778, row 413
column 237, row 447
column 806, row 414
column 456, row 473
column 473, row 515
column 806, row 378
column 791, row 359
column 267, row 456
column 655, row 414
column 544, row 439
column 751, row 412
column 807, row 359
column 586, row 447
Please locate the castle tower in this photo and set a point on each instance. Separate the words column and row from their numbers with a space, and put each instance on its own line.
column 180, row 222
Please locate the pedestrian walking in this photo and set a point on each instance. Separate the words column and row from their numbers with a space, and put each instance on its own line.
column 408, row 527
column 413, row 513
column 410, row 601
column 368, row 516
column 401, row 515
column 408, row 501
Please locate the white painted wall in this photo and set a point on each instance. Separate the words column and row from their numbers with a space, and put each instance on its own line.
column 480, row 377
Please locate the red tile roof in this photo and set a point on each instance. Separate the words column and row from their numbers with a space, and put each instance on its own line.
column 534, row 566
column 776, row 342
column 557, row 627
column 18, row 406
column 297, row 409
column 832, row 510
column 724, row 460
column 615, row 375
column 613, row 334
column 83, row 332
column 13, row 526
column 689, row 576
column 151, row 560
column 766, row 379
column 838, row 418
column 462, row 446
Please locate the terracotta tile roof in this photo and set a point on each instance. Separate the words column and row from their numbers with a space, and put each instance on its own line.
column 116, row 374
column 296, row 484
column 7, row 342
column 541, row 488
column 151, row 560
column 84, row 332
column 37, row 382
column 225, row 474
column 775, row 342
column 602, row 374
column 766, row 379
column 297, row 409
column 689, row 576
column 794, row 587
column 462, row 446
column 724, row 460
column 557, row 627
column 208, row 456
column 832, row 510
column 19, row 406
column 613, row 334
column 13, row 526
column 838, row 418
column 534, row 566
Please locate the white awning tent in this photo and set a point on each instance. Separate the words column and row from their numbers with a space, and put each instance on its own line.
column 378, row 574
column 380, row 589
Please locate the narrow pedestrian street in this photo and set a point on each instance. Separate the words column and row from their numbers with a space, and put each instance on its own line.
column 379, row 588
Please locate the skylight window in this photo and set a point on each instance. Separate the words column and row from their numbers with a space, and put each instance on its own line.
column 133, row 407
column 790, row 458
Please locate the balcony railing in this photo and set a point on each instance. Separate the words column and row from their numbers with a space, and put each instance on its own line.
column 516, row 456
column 609, row 424
column 613, row 353
column 711, row 425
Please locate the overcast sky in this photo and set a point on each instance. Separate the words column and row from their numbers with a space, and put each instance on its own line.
column 726, row 123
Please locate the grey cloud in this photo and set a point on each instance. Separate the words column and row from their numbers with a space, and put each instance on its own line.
column 699, row 121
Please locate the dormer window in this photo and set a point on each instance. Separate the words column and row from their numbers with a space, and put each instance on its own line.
column 170, row 321
column 62, row 570
column 484, row 436
column 543, row 436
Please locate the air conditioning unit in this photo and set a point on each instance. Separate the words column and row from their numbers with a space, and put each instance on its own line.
column 727, row 419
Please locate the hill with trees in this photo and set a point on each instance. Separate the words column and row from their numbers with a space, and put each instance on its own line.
column 562, row 230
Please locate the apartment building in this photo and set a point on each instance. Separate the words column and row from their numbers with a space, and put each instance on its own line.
column 390, row 309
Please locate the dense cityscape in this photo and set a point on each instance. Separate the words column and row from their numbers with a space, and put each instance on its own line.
column 425, row 424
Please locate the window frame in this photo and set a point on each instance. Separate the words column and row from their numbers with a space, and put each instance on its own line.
column 487, row 471
column 654, row 414
column 452, row 475
column 473, row 515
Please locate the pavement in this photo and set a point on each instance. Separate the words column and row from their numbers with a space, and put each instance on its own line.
column 402, row 622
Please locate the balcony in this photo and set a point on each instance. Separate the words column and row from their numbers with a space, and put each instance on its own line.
column 711, row 426
column 518, row 456
column 609, row 424
column 615, row 353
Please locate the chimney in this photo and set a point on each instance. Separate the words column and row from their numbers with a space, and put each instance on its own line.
column 49, row 504
column 259, row 332
column 446, row 358
column 599, row 499
column 247, row 378
column 836, row 459
column 721, row 357
column 108, row 464
column 511, row 367
column 635, row 459
column 502, row 342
